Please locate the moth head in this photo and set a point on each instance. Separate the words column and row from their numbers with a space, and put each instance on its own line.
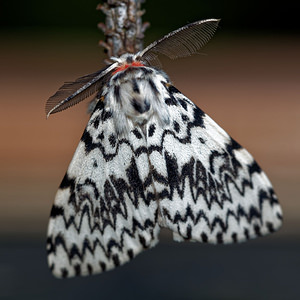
column 182, row 42
column 126, row 61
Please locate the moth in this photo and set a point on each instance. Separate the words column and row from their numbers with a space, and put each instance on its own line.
column 150, row 158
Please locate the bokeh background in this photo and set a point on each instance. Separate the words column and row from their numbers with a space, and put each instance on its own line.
column 247, row 79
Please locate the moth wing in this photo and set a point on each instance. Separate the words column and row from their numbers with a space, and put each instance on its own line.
column 210, row 188
column 104, row 211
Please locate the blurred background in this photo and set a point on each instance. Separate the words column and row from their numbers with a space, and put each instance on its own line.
column 247, row 79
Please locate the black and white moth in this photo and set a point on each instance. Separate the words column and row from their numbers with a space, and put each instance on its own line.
column 150, row 158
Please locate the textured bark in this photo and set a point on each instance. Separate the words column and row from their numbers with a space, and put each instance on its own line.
column 123, row 28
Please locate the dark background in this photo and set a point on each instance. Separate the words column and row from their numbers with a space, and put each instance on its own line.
column 255, row 15
column 247, row 80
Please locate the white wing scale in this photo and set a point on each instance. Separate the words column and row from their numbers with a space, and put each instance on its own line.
column 211, row 189
column 190, row 177
column 104, row 211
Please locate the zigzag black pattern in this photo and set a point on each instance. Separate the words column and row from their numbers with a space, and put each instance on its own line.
column 178, row 169
column 87, row 210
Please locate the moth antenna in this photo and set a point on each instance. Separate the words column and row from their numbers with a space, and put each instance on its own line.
column 74, row 92
column 182, row 42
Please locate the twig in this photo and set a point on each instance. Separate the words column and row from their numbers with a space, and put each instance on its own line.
column 123, row 28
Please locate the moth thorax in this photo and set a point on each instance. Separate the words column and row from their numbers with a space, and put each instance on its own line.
column 136, row 95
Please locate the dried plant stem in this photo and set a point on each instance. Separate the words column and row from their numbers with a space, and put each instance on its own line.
column 123, row 28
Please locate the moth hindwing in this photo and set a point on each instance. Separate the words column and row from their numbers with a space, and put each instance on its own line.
column 150, row 158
